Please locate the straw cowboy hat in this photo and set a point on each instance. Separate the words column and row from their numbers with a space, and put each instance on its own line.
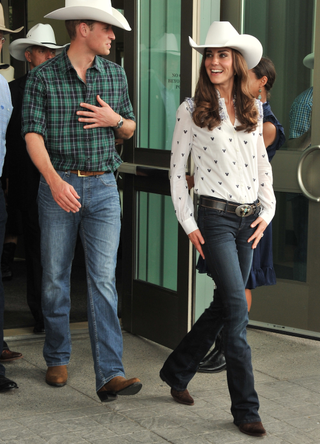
column 97, row 10
column 308, row 61
column 39, row 35
column 223, row 35
column 2, row 24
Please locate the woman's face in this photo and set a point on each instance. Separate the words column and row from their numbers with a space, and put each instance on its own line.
column 219, row 66
column 254, row 84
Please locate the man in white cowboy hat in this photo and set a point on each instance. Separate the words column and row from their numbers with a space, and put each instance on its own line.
column 5, row 113
column 38, row 47
column 75, row 105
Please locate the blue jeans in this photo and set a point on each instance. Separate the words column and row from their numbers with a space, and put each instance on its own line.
column 3, row 219
column 229, row 256
column 98, row 223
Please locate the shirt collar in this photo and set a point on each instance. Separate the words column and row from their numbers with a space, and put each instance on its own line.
column 66, row 65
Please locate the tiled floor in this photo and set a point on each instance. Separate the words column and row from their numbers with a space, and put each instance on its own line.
column 287, row 373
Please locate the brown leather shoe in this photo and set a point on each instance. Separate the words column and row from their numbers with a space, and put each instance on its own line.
column 8, row 355
column 253, row 429
column 119, row 386
column 182, row 397
column 57, row 375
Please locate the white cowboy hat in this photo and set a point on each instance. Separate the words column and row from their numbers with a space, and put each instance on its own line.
column 308, row 61
column 223, row 35
column 97, row 10
column 3, row 25
column 39, row 35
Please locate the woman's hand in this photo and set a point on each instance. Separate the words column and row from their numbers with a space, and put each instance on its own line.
column 197, row 240
column 261, row 225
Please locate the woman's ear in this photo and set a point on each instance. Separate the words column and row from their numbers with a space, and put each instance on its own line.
column 263, row 80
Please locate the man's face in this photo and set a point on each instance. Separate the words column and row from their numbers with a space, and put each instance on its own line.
column 38, row 54
column 100, row 38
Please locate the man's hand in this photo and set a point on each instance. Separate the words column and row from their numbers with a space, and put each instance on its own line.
column 261, row 225
column 98, row 116
column 65, row 195
column 197, row 240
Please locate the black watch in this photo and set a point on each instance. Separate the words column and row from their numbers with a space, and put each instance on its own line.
column 120, row 123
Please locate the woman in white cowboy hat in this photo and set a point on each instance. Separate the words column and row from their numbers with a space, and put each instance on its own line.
column 222, row 128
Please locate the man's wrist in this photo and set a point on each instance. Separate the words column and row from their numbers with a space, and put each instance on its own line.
column 119, row 124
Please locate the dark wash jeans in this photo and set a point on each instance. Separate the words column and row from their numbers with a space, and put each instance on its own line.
column 229, row 257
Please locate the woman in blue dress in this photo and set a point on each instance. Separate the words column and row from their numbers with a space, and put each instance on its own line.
column 261, row 79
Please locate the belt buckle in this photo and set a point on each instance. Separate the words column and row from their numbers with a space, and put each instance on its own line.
column 81, row 175
column 244, row 210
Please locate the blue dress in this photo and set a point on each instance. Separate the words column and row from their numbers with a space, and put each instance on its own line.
column 262, row 271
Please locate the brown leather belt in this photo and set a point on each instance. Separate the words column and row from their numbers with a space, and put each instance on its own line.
column 241, row 210
column 88, row 173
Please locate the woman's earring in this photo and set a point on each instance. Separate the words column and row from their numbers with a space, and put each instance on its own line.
column 259, row 96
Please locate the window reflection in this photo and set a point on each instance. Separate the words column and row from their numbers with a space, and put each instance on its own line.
column 157, row 240
column 286, row 34
column 159, row 67
column 290, row 236
column 291, row 49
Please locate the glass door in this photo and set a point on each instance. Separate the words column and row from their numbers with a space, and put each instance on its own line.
column 156, row 291
column 289, row 30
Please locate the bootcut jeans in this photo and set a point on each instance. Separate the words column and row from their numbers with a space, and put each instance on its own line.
column 98, row 223
column 229, row 257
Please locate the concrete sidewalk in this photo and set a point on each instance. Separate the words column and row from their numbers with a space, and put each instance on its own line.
column 287, row 378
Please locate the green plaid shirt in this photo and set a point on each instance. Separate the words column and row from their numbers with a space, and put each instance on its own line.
column 52, row 97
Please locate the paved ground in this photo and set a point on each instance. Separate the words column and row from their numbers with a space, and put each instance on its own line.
column 287, row 380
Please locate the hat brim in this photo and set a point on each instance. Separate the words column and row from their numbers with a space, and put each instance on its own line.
column 90, row 13
column 17, row 47
column 10, row 31
column 248, row 45
column 308, row 61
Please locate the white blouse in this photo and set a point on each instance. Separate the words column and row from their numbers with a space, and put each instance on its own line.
column 229, row 164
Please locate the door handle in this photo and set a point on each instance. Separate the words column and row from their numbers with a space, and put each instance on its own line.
column 303, row 157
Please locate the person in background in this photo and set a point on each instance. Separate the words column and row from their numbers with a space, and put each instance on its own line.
column 300, row 116
column 261, row 80
column 5, row 114
column 301, row 108
column 74, row 108
column 23, row 177
column 222, row 129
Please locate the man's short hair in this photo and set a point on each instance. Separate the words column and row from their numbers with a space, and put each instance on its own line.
column 72, row 24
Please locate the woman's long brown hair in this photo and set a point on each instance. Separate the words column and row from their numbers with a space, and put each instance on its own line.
column 206, row 113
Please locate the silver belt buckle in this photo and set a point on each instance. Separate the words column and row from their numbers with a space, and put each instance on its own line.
column 244, row 210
